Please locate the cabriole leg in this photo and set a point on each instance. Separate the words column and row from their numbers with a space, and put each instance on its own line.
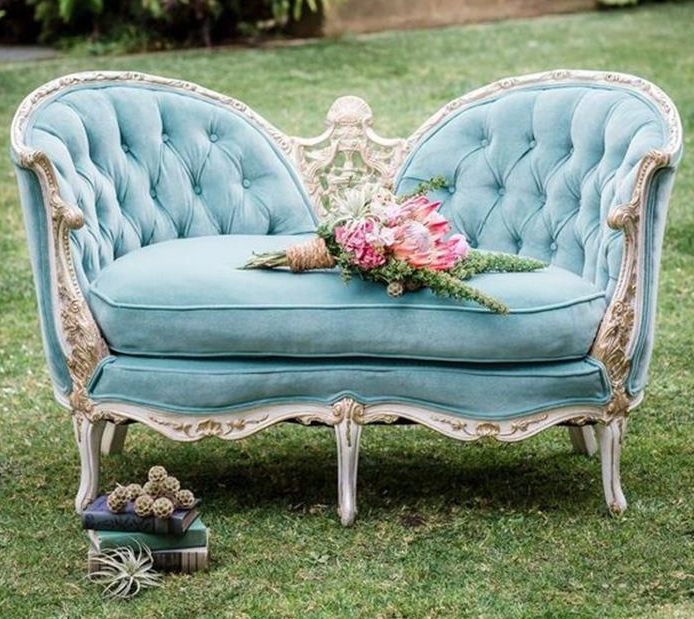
column 610, row 436
column 347, row 433
column 114, row 438
column 583, row 440
column 88, row 435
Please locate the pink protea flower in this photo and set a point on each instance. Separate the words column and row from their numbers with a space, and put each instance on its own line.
column 419, row 240
column 354, row 239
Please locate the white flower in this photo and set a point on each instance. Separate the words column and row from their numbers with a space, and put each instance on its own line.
column 368, row 200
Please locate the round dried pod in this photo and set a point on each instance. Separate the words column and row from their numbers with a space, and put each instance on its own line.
column 120, row 491
column 117, row 501
column 163, row 508
column 133, row 491
column 143, row 505
column 395, row 289
column 185, row 499
column 152, row 488
column 157, row 474
column 171, row 485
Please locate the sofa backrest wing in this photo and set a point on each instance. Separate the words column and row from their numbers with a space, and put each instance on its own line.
column 535, row 169
column 148, row 161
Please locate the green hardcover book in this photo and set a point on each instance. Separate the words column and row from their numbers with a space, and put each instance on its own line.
column 194, row 537
column 185, row 560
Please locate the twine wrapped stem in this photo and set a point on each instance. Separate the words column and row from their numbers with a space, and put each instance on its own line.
column 312, row 254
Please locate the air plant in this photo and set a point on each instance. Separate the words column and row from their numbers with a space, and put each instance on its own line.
column 124, row 571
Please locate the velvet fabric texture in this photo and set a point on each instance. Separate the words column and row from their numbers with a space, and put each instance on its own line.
column 536, row 171
column 190, row 298
column 491, row 391
column 145, row 165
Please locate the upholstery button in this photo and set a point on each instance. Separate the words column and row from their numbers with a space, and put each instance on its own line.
column 213, row 137
column 164, row 137
column 485, row 142
column 472, row 243
column 553, row 247
column 153, row 193
column 451, row 189
column 125, row 148
column 502, row 191
column 533, row 143
column 197, row 189
column 246, row 183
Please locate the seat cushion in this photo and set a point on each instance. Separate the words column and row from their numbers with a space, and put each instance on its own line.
column 501, row 391
column 189, row 298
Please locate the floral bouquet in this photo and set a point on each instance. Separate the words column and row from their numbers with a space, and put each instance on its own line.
column 397, row 241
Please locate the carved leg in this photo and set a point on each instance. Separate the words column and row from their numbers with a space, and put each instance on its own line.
column 347, row 433
column 610, row 436
column 583, row 440
column 88, row 436
column 114, row 438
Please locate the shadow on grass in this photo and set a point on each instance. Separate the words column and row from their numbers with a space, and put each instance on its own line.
column 400, row 469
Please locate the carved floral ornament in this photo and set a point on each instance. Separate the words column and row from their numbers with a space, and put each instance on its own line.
column 348, row 151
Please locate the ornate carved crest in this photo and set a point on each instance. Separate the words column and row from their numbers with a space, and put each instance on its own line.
column 348, row 152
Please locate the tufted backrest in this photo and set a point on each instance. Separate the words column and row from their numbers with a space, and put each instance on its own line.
column 146, row 163
column 536, row 170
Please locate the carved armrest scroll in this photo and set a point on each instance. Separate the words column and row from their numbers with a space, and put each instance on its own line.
column 79, row 335
column 617, row 335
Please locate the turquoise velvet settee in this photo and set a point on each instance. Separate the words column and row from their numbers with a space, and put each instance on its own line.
column 142, row 196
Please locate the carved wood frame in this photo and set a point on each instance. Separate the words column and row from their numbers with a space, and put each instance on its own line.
column 349, row 150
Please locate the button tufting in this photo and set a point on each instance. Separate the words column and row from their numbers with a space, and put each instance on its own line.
column 485, row 142
column 164, row 137
column 553, row 247
column 197, row 189
column 153, row 193
column 472, row 243
column 451, row 189
column 125, row 148
column 502, row 191
column 533, row 143
column 213, row 137
column 246, row 183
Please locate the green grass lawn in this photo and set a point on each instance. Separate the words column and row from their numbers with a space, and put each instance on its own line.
column 445, row 529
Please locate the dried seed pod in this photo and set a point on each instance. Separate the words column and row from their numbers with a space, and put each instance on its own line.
column 157, row 474
column 152, row 488
column 395, row 289
column 185, row 499
column 163, row 508
column 143, row 505
column 120, row 491
column 171, row 485
column 133, row 491
column 117, row 500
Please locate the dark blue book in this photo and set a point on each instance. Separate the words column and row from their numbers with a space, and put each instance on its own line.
column 98, row 516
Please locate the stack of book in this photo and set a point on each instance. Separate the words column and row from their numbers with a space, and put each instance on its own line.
column 178, row 544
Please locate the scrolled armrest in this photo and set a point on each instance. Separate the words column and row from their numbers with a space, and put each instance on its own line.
column 624, row 339
column 78, row 334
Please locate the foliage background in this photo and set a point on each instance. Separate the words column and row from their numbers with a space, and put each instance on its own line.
column 138, row 25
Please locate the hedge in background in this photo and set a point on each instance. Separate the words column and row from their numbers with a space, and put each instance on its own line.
column 148, row 24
